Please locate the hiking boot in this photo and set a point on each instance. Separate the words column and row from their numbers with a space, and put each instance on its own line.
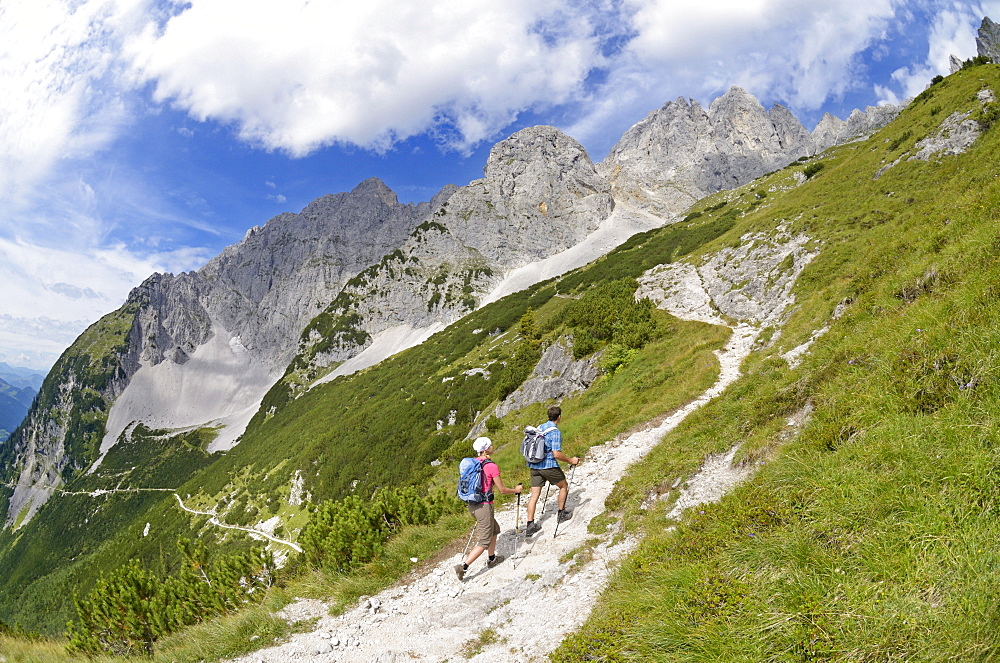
column 531, row 529
column 460, row 571
column 564, row 515
column 490, row 563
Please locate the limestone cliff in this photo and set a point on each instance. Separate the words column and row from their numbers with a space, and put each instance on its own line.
column 682, row 152
column 540, row 195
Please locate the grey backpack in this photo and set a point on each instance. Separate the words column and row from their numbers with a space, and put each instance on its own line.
column 533, row 445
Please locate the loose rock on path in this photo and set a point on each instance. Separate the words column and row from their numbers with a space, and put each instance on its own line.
column 523, row 608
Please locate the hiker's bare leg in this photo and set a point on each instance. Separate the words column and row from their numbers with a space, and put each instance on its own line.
column 563, row 487
column 533, row 501
column 477, row 551
column 493, row 545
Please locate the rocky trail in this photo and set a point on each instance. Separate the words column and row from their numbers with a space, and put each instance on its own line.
column 523, row 608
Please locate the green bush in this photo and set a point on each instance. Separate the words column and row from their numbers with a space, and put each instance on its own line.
column 344, row 534
column 609, row 313
column 812, row 169
column 616, row 356
column 132, row 607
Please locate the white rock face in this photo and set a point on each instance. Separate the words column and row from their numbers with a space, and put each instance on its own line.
column 557, row 375
column 988, row 40
column 955, row 135
column 682, row 152
column 541, row 196
column 216, row 387
column 750, row 283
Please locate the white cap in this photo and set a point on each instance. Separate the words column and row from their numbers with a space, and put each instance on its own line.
column 482, row 444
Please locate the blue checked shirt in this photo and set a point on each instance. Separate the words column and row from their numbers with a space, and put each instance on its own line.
column 553, row 442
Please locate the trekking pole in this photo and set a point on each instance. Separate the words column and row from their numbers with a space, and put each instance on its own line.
column 468, row 543
column 546, row 498
column 517, row 526
column 517, row 515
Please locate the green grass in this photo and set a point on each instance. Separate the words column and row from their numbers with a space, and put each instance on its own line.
column 867, row 535
column 871, row 534
column 224, row 637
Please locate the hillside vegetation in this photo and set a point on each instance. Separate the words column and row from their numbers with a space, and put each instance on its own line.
column 872, row 534
column 868, row 535
column 379, row 428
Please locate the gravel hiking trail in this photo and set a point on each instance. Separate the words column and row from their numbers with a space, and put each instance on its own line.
column 521, row 609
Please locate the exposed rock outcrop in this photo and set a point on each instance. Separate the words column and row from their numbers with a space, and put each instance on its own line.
column 681, row 152
column 955, row 135
column 988, row 40
column 750, row 283
column 540, row 195
column 557, row 375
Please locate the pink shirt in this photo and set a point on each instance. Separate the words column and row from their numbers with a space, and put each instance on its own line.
column 490, row 474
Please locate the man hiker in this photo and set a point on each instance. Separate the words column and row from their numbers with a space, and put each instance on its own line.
column 548, row 469
column 487, row 528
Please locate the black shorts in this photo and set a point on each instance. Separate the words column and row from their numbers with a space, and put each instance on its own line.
column 553, row 475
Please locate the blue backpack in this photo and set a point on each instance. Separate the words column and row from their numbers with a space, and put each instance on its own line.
column 470, row 481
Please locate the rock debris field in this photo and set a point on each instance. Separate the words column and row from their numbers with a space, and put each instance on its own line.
column 521, row 609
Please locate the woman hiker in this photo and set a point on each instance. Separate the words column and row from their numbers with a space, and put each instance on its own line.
column 487, row 529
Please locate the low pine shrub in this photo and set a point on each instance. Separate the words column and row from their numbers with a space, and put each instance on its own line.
column 132, row 607
column 812, row 169
column 344, row 534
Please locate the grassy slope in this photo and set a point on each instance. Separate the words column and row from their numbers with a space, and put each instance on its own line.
column 854, row 537
column 871, row 535
column 378, row 427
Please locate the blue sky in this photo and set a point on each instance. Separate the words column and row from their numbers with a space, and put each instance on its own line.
column 141, row 135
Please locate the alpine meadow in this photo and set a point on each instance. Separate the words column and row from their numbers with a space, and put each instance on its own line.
column 819, row 344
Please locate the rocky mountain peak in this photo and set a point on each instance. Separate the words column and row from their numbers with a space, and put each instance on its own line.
column 375, row 188
column 541, row 194
column 542, row 171
column 680, row 153
column 734, row 99
column 788, row 130
column 988, row 40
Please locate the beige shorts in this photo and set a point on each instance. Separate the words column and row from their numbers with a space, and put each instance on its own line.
column 486, row 525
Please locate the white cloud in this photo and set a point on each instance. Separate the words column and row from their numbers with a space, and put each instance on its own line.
column 56, row 61
column 298, row 75
column 56, row 292
column 801, row 51
column 953, row 32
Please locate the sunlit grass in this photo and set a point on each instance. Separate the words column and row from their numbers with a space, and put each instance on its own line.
column 871, row 533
